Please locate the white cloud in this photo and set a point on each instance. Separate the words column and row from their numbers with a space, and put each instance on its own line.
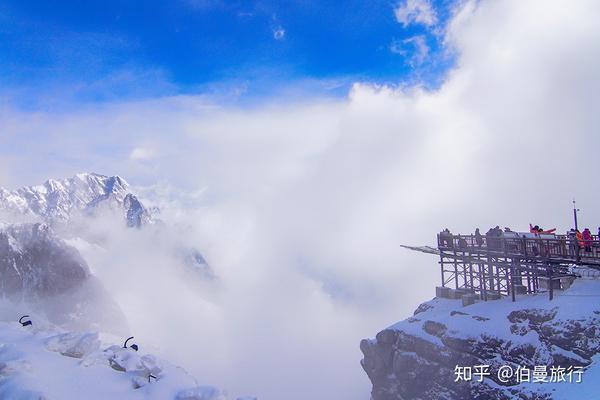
column 304, row 205
column 415, row 49
column 142, row 154
column 5, row 172
column 415, row 12
column 279, row 33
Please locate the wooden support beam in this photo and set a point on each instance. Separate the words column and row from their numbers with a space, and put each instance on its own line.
column 512, row 283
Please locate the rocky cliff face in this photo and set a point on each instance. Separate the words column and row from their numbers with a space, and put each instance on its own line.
column 39, row 271
column 34, row 262
column 417, row 358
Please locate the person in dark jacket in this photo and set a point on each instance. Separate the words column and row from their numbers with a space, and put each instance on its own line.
column 478, row 238
column 446, row 238
column 492, row 237
column 572, row 241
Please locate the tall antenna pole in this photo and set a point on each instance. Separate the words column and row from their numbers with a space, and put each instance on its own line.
column 575, row 209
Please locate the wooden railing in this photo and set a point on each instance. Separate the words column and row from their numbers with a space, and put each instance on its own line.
column 564, row 248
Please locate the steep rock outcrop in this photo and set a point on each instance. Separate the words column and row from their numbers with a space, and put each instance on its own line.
column 416, row 358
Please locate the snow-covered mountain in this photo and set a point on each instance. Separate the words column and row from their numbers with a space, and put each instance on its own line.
column 85, row 193
column 57, row 202
column 44, row 273
column 418, row 358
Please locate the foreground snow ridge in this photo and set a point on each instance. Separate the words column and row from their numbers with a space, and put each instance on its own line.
column 38, row 364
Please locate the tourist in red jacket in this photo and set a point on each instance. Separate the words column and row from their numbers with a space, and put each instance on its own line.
column 579, row 237
column 587, row 239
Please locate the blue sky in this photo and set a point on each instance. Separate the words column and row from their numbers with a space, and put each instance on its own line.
column 108, row 50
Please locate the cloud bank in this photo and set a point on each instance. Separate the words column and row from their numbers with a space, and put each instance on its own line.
column 301, row 207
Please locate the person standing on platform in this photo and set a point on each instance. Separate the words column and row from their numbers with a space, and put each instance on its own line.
column 587, row 240
column 446, row 238
column 579, row 237
column 479, row 238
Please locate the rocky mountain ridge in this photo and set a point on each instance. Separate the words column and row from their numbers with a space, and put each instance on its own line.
column 57, row 201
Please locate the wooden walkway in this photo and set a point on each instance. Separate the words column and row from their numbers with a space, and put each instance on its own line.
column 512, row 263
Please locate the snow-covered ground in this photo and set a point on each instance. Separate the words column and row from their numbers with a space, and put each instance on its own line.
column 38, row 363
column 578, row 302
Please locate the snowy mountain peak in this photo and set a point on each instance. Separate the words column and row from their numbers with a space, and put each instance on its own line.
column 59, row 200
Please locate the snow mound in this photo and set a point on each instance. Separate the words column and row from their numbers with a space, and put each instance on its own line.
column 74, row 345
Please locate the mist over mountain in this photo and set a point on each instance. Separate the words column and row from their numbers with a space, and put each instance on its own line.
column 45, row 274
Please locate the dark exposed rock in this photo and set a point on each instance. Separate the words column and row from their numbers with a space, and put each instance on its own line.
column 422, row 308
column 534, row 315
column 434, row 328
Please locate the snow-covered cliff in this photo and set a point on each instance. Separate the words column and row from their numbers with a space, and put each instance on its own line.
column 418, row 357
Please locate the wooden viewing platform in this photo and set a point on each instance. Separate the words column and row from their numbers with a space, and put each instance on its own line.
column 511, row 263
